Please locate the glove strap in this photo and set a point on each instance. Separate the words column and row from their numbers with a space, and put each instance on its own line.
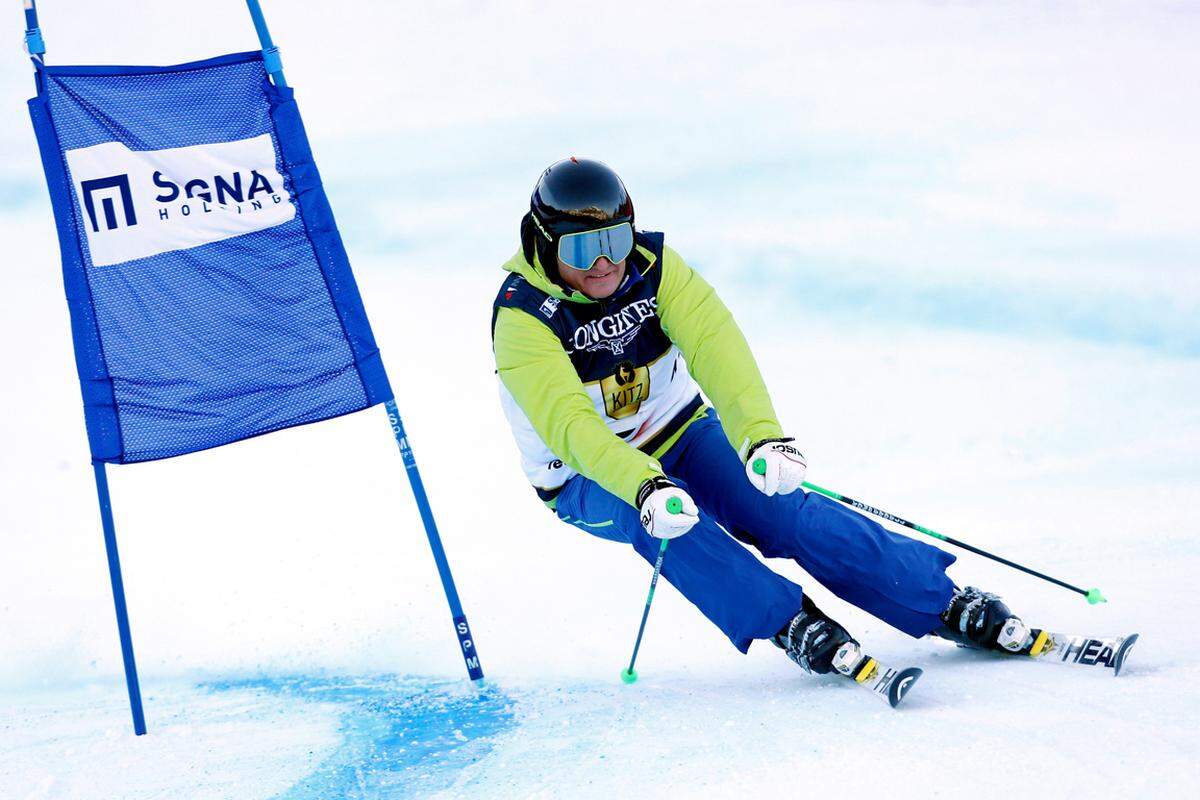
column 781, row 440
column 652, row 485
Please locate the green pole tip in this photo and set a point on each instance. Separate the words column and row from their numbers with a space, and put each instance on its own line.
column 628, row 675
column 674, row 505
column 1094, row 596
column 760, row 466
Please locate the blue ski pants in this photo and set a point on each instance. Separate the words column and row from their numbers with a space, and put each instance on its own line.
column 899, row 580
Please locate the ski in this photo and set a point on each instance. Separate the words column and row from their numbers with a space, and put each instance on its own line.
column 1062, row 648
column 888, row 684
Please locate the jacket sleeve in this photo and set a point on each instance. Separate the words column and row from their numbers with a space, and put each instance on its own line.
column 716, row 352
column 537, row 371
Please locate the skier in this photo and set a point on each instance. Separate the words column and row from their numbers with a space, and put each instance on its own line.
column 601, row 335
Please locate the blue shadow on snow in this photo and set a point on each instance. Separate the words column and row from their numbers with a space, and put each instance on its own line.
column 401, row 736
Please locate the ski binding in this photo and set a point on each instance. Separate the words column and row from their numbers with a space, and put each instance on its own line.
column 890, row 685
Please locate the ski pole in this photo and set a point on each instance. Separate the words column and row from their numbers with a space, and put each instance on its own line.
column 629, row 675
column 1093, row 595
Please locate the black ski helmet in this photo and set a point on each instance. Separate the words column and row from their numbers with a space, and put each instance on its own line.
column 572, row 195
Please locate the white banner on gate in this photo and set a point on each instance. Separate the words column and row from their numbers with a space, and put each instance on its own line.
column 139, row 203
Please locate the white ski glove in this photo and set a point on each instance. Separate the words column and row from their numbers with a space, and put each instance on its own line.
column 775, row 466
column 666, row 510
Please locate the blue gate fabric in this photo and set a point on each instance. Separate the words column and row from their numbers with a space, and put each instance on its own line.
column 210, row 295
column 897, row 579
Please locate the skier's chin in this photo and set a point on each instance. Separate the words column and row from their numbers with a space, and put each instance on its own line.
column 603, row 285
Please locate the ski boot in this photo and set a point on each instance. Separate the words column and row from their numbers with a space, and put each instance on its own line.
column 982, row 621
column 821, row 646
column 816, row 642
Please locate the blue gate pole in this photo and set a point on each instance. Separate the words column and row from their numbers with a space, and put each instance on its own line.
column 118, row 589
column 271, row 59
column 461, row 628
column 35, row 45
column 33, row 32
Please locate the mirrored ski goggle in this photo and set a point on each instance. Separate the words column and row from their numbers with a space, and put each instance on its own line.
column 580, row 250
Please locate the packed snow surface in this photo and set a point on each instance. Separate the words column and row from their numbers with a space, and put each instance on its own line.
column 962, row 241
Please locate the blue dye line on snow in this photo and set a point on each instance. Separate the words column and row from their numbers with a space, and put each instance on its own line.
column 401, row 736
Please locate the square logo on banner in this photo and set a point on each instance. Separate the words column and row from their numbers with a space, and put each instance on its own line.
column 139, row 203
